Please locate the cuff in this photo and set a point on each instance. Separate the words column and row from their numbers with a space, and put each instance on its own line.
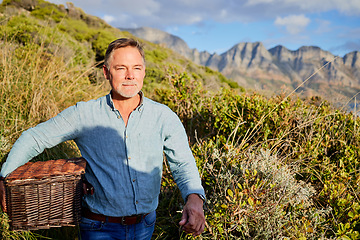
column 201, row 196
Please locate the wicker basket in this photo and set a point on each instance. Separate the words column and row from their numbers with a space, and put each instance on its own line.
column 46, row 194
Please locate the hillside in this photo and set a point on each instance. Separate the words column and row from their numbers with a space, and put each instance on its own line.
column 253, row 66
column 86, row 37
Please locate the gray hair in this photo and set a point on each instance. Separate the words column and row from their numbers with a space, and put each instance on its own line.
column 120, row 43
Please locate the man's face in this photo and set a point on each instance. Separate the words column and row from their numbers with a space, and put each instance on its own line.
column 126, row 72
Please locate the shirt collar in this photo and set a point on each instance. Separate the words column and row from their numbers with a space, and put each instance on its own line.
column 112, row 106
column 141, row 101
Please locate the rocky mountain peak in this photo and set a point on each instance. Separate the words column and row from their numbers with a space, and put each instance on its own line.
column 352, row 59
column 253, row 66
column 160, row 37
column 245, row 55
column 312, row 52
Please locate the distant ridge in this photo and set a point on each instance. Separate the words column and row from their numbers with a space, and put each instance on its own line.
column 277, row 69
column 160, row 37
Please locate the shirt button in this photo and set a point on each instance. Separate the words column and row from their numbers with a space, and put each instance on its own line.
column 134, row 180
column 129, row 158
column 137, row 202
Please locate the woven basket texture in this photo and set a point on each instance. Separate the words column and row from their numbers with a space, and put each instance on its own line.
column 46, row 194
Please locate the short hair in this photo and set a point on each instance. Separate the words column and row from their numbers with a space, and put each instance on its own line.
column 120, row 43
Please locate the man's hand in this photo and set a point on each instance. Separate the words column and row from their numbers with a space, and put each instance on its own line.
column 2, row 195
column 193, row 218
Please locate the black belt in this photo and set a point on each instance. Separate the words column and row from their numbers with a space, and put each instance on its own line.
column 134, row 219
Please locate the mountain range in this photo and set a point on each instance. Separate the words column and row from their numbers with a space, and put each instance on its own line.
column 309, row 70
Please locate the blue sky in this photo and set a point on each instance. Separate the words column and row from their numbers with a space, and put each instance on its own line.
column 217, row 25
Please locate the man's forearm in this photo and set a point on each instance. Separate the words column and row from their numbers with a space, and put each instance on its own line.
column 45, row 135
column 24, row 149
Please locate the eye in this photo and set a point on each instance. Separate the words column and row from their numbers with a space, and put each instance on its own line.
column 138, row 67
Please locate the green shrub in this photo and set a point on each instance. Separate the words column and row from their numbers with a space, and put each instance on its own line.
column 257, row 196
column 321, row 141
column 100, row 40
column 20, row 29
column 155, row 56
column 44, row 12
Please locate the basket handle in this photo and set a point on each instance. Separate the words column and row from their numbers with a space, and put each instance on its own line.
column 2, row 195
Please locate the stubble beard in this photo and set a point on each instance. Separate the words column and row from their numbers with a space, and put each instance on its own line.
column 127, row 94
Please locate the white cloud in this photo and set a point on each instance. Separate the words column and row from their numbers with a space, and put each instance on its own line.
column 351, row 7
column 294, row 24
column 256, row 2
column 109, row 18
column 164, row 12
column 147, row 8
column 194, row 19
column 324, row 26
column 223, row 13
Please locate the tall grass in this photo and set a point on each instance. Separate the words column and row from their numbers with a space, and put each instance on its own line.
column 35, row 85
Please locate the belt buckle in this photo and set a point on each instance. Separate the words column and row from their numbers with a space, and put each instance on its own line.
column 139, row 218
column 123, row 222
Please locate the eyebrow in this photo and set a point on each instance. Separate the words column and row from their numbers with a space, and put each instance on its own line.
column 124, row 65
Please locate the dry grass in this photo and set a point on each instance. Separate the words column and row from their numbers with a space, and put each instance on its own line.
column 35, row 86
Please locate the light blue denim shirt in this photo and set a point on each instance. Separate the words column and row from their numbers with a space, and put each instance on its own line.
column 124, row 163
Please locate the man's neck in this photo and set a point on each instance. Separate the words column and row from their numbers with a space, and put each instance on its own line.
column 126, row 105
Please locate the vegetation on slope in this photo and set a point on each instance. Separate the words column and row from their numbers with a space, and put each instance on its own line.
column 272, row 168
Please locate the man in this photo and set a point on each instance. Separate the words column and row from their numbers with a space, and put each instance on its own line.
column 123, row 136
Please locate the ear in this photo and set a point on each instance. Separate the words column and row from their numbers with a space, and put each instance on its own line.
column 106, row 72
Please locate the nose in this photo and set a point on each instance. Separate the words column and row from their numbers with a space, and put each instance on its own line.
column 129, row 74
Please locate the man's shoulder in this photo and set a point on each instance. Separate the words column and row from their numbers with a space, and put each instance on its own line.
column 149, row 103
column 158, row 110
column 92, row 102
